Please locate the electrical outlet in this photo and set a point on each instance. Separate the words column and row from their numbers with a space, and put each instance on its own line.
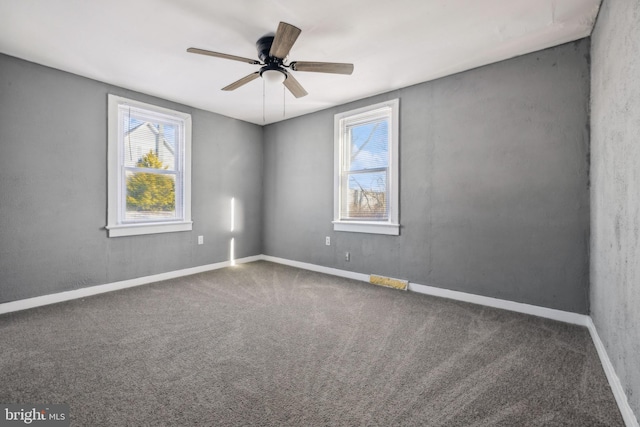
column 201, row 240
column 347, row 256
column 327, row 241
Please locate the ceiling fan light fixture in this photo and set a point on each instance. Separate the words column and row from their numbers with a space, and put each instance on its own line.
column 273, row 76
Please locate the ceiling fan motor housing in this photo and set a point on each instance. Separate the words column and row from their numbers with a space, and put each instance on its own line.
column 264, row 47
column 271, row 63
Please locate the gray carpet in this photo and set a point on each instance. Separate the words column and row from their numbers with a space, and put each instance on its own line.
column 268, row 345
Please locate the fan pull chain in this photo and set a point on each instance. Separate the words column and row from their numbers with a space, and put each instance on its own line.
column 263, row 102
column 284, row 101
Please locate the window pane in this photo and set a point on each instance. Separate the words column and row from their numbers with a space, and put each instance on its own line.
column 369, row 146
column 143, row 135
column 365, row 196
column 150, row 196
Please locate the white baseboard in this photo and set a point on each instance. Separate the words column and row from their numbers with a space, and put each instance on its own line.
column 317, row 268
column 534, row 310
column 563, row 316
column 630, row 419
column 24, row 304
column 559, row 315
column 549, row 313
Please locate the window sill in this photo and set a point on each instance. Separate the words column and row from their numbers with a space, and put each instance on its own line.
column 367, row 227
column 139, row 229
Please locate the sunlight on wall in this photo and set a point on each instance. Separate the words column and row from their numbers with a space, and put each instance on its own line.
column 233, row 210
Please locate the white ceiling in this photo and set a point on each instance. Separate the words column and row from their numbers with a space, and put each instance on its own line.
column 141, row 44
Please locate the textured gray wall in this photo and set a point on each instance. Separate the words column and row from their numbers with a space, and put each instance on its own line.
column 494, row 196
column 494, row 184
column 53, row 194
column 615, row 192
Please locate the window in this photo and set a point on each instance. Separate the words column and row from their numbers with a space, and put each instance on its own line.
column 366, row 170
column 149, row 169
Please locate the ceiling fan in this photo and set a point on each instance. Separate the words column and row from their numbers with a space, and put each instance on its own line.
column 273, row 51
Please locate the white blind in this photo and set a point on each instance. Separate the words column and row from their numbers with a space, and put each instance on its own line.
column 364, row 177
column 151, row 147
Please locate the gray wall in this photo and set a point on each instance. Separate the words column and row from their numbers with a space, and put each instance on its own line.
column 53, row 195
column 494, row 175
column 615, row 192
column 494, row 184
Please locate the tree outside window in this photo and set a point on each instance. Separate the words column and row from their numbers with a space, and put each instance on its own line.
column 150, row 191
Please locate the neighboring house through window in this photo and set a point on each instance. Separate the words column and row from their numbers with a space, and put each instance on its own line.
column 149, row 169
column 366, row 170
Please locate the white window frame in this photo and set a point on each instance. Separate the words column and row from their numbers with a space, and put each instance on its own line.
column 116, row 190
column 390, row 111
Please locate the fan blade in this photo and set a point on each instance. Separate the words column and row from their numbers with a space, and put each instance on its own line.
column 242, row 81
column 322, row 67
column 286, row 36
column 221, row 55
column 294, row 87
